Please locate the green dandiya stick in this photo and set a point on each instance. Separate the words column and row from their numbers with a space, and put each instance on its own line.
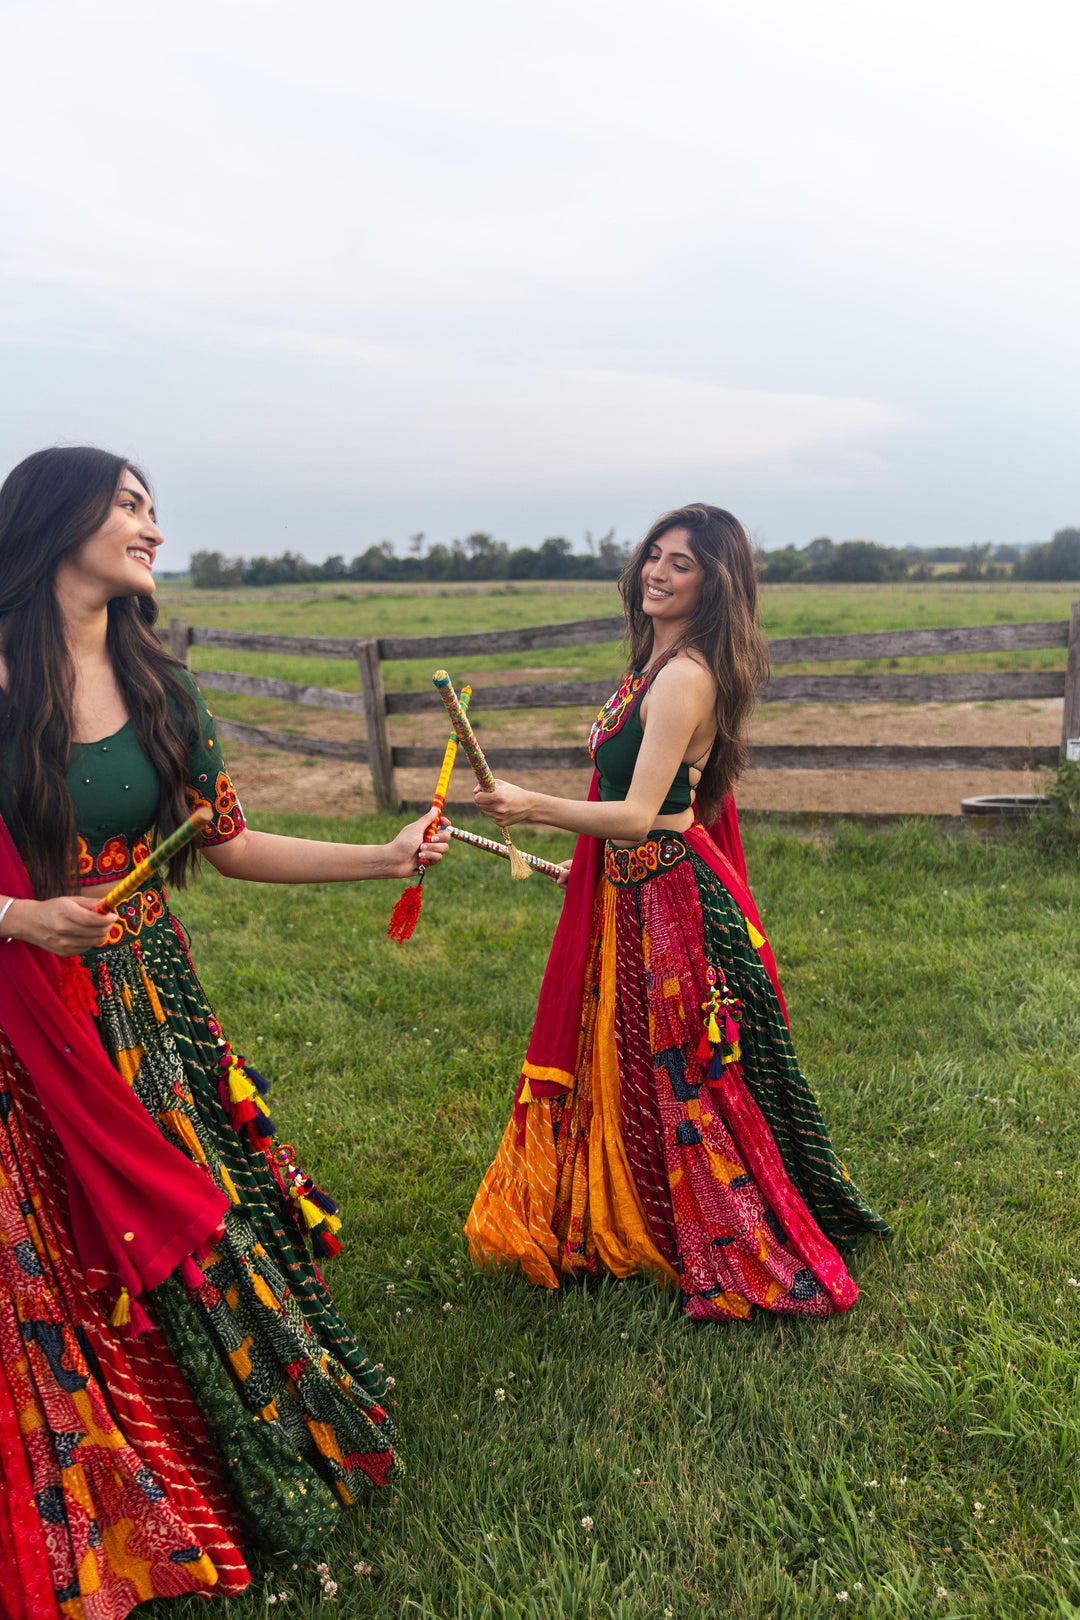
column 467, row 738
column 161, row 856
column 478, row 842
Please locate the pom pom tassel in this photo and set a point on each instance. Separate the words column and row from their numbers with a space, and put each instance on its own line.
column 406, row 913
column 76, row 985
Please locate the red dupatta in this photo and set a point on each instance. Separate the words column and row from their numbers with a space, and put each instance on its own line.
column 551, row 1059
column 135, row 1200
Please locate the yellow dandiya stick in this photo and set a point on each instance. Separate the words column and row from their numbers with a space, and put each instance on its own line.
column 537, row 863
column 406, row 913
column 157, row 858
column 467, row 738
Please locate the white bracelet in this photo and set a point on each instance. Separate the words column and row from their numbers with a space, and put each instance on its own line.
column 3, row 914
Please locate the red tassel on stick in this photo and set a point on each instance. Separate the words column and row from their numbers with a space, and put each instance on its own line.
column 405, row 914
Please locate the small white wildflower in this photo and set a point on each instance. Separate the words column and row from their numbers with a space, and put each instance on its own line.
column 330, row 1589
column 858, row 1587
column 362, row 1569
column 270, row 1598
column 379, row 1366
column 500, row 1394
column 586, row 1525
column 1059, row 1174
column 669, row 1614
column 390, row 1289
column 283, row 1597
column 941, row 1592
column 447, row 1305
column 408, row 1310
column 408, row 1262
column 391, row 1381
column 903, row 1479
column 869, row 1481
column 397, row 1316
column 956, row 1164
column 842, row 1597
column 323, row 1570
column 1074, row 1282
column 637, row 1473
column 978, row 1510
column 624, row 1335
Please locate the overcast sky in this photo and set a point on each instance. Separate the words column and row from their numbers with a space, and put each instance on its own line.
column 340, row 272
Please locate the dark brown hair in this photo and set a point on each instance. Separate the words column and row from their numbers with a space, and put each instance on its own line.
column 723, row 631
column 49, row 505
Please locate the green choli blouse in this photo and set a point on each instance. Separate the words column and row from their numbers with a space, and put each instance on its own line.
column 615, row 741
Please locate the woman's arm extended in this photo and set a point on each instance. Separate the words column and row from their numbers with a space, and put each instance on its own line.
column 270, row 858
column 681, row 699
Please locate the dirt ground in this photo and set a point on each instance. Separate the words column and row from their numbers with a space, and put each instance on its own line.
column 269, row 780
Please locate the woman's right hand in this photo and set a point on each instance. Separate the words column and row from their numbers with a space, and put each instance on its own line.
column 67, row 926
column 563, row 878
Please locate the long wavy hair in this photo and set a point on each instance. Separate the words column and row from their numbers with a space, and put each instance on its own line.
column 49, row 505
column 723, row 631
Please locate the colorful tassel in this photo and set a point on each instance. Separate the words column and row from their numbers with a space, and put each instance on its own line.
column 121, row 1311
column 719, row 1043
column 406, row 913
column 140, row 1322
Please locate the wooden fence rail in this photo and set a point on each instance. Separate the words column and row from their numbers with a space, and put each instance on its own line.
column 375, row 705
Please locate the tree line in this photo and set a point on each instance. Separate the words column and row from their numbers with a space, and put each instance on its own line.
column 478, row 557
column 481, row 557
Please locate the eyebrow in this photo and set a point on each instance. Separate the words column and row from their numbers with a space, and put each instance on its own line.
column 136, row 496
column 685, row 555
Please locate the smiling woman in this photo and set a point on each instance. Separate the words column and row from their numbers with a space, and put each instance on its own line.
column 662, row 1123
column 175, row 1382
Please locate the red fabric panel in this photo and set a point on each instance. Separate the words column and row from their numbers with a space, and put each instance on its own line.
column 123, row 1176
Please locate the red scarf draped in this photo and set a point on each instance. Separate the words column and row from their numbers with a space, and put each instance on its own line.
column 135, row 1200
column 552, row 1057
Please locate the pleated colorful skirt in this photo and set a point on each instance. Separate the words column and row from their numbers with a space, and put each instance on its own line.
column 704, row 1163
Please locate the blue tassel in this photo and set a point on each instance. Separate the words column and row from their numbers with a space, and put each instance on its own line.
column 259, row 1081
column 324, row 1201
column 319, row 1246
column 263, row 1124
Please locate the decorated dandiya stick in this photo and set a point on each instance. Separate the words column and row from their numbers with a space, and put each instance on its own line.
column 406, row 913
column 537, row 862
column 467, row 738
column 157, row 858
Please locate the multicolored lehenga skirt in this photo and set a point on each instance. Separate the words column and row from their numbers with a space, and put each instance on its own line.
column 145, row 1446
column 705, row 1162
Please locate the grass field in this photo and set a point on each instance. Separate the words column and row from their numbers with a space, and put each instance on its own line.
column 918, row 1455
column 401, row 610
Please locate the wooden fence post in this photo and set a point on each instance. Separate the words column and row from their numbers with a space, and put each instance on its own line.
column 1070, row 720
column 378, row 737
column 179, row 639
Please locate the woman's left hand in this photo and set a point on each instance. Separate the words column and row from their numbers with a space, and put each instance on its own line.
column 506, row 806
column 409, row 848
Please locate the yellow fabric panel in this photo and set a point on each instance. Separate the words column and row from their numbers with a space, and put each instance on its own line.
column 557, row 1077
column 510, row 1220
column 128, row 1061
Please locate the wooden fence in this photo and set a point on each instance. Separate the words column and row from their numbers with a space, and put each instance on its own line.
column 375, row 704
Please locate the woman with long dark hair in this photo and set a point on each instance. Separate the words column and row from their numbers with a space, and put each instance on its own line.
column 662, row 1123
column 175, row 1382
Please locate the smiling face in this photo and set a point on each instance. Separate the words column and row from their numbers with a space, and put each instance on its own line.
column 118, row 558
column 671, row 579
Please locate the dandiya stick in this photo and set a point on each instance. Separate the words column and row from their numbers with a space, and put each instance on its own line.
column 537, row 863
column 406, row 913
column 157, row 858
column 467, row 738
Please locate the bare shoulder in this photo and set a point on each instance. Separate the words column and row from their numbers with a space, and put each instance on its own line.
column 687, row 673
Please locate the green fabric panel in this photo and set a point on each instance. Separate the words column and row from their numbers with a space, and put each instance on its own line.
column 773, row 1077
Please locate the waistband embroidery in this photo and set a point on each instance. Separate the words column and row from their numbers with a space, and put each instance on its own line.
column 624, row 867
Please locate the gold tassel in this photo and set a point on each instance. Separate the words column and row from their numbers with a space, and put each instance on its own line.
column 519, row 866
column 121, row 1314
column 313, row 1215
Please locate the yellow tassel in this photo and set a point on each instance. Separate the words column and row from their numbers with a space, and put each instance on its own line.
column 333, row 1222
column 312, row 1214
column 713, row 1030
column 519, row 867
column 735, row 1054
column 260, row 1105
column 240, row 1087
column 757, row 940
column 121, row 1314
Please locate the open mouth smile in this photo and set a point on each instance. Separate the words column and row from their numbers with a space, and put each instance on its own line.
column 141, row 555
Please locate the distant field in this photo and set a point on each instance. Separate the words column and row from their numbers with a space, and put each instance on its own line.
column 426, row 610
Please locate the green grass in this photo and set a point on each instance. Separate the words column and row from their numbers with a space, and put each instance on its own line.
column 786, row 610
column 739, row 1470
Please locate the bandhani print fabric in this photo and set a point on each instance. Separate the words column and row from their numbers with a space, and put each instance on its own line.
column 687, row 1144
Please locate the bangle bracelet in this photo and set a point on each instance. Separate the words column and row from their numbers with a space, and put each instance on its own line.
column 4, row 912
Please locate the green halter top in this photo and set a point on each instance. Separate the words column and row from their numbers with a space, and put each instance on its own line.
column 616, row 738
